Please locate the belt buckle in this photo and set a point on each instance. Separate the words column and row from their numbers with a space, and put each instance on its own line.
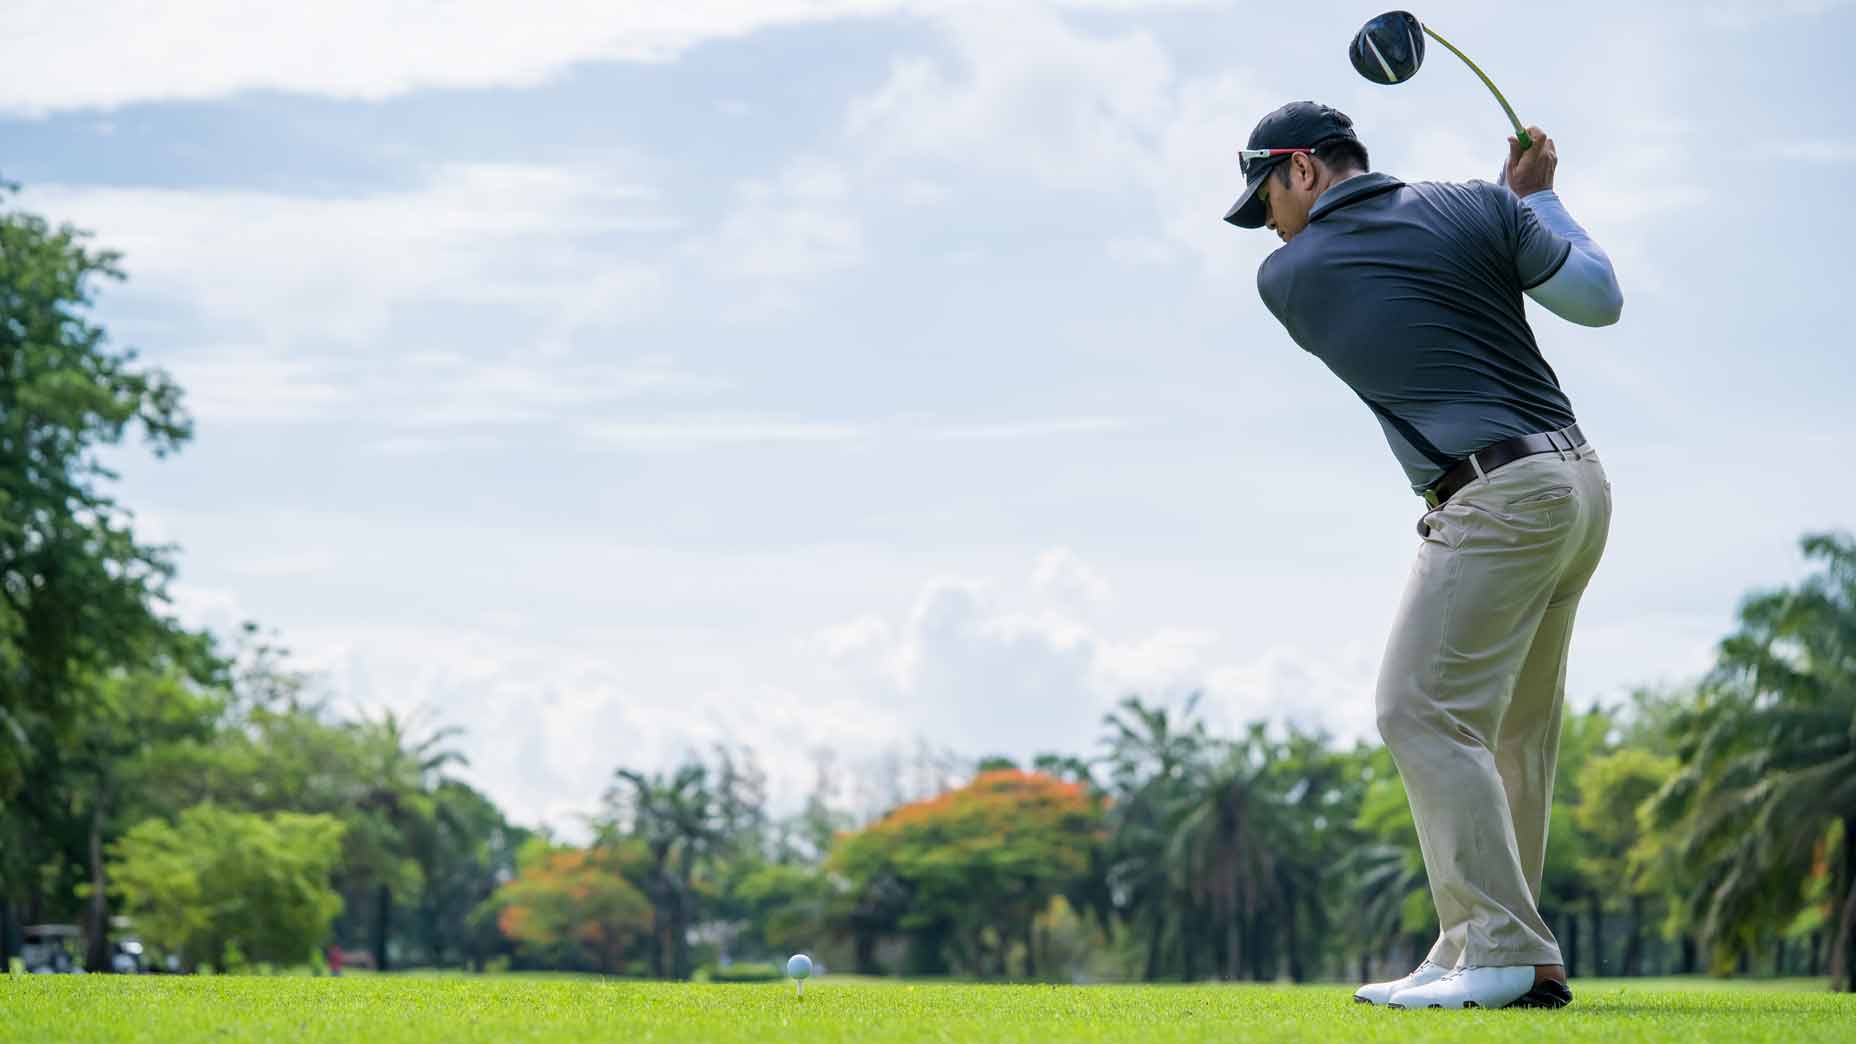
column 1431, row 499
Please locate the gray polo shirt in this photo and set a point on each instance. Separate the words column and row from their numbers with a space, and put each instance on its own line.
column 1412, row 295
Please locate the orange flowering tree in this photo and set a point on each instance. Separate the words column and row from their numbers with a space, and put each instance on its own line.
column 571, row 907
column 971, row 868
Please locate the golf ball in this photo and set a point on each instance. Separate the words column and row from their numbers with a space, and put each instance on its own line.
column 798, row 966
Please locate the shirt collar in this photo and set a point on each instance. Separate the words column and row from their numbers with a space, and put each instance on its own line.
column 1354, row 189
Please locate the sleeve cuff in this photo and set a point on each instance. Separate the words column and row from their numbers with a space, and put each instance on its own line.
column 1552, row 271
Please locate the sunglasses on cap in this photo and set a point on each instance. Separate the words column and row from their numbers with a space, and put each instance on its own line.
column 1245, row 157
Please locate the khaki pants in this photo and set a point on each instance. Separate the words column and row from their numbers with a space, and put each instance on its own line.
column 1471, row 689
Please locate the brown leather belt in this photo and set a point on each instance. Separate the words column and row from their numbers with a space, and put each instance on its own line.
column 1491, row 457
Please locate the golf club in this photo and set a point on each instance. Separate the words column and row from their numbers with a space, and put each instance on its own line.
column 1390, row 48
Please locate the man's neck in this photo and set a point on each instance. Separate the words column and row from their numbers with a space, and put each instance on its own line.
column 1336, row 177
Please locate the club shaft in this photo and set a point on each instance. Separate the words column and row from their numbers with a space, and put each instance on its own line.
column 1520, row 132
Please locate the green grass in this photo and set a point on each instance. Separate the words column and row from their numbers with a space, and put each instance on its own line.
column 391, row 1009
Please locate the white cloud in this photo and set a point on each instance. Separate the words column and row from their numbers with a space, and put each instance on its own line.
column 61, row 54
column 421, row 445
column 303, row 294
column 233, row 385
column 1036, row 97
column 863, row 647
column 919, row 193
column 780, row 234
column 1195, row 178
column 1818, row 151
column 1073, row 107
column 1001, row 682
column 293, row 271
column 1077, row 110
column 991, row 431
column 989, row 670
column 515, row 388
column 1142, row 251
column 286, row 562
column 66, row 54
column 216, row 609
column 1331, row 689
column 548, row 720
column 1063, row 575
column 419, row 390
column 769, row 241
column 1741, row 14
column 707, row 432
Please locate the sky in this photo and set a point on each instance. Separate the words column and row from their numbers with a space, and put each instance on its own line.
column 612, row 380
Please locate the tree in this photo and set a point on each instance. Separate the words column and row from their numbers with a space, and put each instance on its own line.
column 680, row 820
column 1769, row 764
column 1612, row 788
column 1323, row 790
column 1227, row 835
column 1567, row 889
column 571, row 907
column 790, row 906
column 1222, row 853
column 78, row 594
column 397, row 775
column 981, row 861
column 1385, row 869
column 1150, row 757
column 277, row 747
column 219, row 886
column 91, row 786
column 133, row 719
column 470, row 854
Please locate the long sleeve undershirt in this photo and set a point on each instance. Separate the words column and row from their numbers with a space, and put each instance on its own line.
column 1585, row 289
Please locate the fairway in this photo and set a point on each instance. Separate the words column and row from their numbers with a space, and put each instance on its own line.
column 385, row 1010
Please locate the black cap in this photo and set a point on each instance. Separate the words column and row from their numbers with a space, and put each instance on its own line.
column 1297, row 125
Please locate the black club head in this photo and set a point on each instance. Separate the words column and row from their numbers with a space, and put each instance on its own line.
column 1390, row 48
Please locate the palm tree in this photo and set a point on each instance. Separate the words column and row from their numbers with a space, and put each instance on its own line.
column 401, row 772
column 1221, row 847
column 1385, row 879
column 679, row 819
column 1149, row 759
column 1769, row 758
column 1253, row 837
column 1321, row 790
column 1222, row 851
column 1382, row 867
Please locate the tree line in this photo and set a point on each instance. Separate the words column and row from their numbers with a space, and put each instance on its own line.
column 211, row 793
column 1684, row 841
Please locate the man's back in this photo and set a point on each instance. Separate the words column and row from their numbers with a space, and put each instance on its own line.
column 1412, row 294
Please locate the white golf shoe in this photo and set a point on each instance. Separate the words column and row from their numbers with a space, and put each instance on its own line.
column 1381, row 992
column 1509, row 987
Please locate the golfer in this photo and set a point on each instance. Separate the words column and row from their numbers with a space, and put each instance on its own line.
column 1411, row 294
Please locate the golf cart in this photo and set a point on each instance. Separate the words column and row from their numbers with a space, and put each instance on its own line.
column 127, row 957
column 48, row 950
column 127, row 954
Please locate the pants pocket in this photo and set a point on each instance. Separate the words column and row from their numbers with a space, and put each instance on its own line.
column 1541, row 497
